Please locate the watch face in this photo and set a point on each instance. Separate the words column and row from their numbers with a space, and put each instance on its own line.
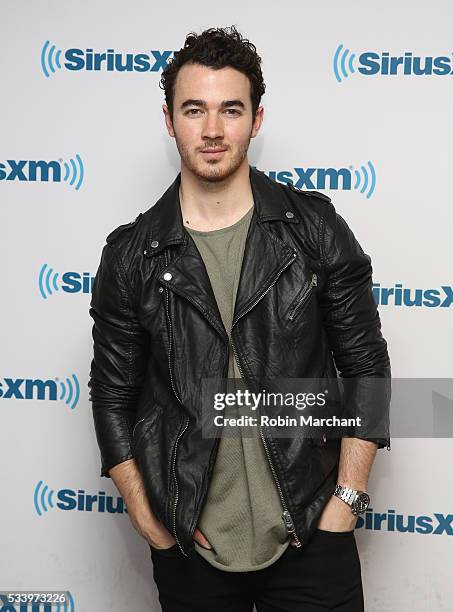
column 361, row 503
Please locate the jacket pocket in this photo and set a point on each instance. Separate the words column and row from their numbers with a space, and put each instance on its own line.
column 303, row 298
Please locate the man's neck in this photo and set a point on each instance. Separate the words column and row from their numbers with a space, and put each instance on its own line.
column 208, row 206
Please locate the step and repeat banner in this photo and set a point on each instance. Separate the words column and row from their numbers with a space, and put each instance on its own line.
column 357, row 105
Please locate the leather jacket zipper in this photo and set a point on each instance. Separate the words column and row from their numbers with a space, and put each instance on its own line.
column 176, row 486
column 202, row 500
column 270, row 287
column 305, row 295
column 286, row 516
column 175, row 449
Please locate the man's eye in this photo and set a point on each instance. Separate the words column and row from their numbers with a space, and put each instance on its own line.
column 233, row 111
column 193, row 111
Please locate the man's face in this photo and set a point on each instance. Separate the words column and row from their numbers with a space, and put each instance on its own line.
column 212, row 120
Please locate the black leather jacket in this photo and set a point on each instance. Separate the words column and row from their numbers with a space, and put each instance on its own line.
column 158, row 331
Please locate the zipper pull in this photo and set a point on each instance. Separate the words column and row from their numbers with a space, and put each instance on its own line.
column 314, row 280
column 289, row 524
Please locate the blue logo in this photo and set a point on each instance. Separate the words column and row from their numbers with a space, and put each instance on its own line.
column 370, row 63
column 35, row 606
column 55, row 171
column 70, row 499
column 53, row 59
column 398, row 295
column 38, row 389
column 362, row 180
column 71, row 282
column 439, row 524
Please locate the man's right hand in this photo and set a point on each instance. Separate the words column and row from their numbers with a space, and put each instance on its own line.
column 129, row 483
column 150, row 528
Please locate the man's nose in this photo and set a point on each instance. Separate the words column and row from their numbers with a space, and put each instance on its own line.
column 213, row 126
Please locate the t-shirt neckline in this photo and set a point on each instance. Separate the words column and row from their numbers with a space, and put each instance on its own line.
column 222, row 229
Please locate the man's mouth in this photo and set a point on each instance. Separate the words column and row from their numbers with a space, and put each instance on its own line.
column 217, row 150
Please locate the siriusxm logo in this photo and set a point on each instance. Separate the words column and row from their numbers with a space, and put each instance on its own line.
column 71, row 282
column 38, row 389
column 405, row 296
column 439, row 524
column 369, row 63
column 35, row 605
column 55, row 171
column 363, row 180
column 111, row 60
column 69, row 499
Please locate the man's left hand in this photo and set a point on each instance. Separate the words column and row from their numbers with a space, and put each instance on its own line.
column 336, row 516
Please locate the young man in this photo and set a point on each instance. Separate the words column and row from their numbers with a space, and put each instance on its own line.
column 233, row 275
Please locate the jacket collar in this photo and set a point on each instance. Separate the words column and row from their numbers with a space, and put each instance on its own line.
column 167, row 226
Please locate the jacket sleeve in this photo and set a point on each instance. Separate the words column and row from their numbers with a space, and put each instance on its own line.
column 120, row 347
column 353, row 330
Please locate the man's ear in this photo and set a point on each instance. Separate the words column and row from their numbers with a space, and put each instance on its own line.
column 168, row 121
column 257, row 122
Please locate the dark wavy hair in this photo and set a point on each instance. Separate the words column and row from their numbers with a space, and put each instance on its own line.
column 216, row 48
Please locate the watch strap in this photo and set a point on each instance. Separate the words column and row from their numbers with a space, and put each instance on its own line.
column 346, row 494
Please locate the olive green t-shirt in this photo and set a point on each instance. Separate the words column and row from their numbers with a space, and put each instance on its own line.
column 242, row 514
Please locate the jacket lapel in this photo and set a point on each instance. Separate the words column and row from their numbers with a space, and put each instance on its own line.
column 190, row 280
column 265, row 258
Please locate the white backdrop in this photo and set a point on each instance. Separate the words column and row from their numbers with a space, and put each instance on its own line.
column 104, row 133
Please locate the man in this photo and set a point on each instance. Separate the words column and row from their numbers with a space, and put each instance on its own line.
column 231, row 274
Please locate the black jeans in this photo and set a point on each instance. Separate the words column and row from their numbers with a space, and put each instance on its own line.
column 323, row 575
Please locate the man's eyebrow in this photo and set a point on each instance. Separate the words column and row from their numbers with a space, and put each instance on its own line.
column 239, row 103
column 224, row 104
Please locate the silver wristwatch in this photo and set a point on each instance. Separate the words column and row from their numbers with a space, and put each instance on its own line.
column 357, row 500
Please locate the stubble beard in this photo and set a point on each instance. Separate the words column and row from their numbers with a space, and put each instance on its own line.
column 212, row 171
